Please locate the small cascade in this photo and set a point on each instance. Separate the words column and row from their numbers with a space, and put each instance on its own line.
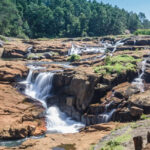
column 134, row 41
column 138, row 82
column 77, row 50
column 31, row 69
column 40, row 90
column 117, row 44
column 106, row 116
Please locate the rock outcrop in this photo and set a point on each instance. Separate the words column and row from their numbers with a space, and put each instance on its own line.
column 11, row 71
column 75, row 90
column 20, row 116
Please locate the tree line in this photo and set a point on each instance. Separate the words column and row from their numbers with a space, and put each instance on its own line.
column 66, row 18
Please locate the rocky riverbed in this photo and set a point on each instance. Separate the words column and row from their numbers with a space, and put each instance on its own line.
column 96, row 88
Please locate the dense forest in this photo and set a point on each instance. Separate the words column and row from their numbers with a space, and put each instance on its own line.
column 66, row 18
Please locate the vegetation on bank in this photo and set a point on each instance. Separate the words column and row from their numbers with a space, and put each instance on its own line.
column 116, row 143
column 117, row 64
column 73, row 57
column 66, row 18
column 142, row 32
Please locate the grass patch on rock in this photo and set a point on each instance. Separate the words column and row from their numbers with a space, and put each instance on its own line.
column 117, row 64
column 73, row 57
column 144, row 117
column 117, row 142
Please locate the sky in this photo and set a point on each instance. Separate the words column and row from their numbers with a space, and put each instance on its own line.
column 132, row 5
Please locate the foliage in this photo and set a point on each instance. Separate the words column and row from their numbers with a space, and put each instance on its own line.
column 117, row 64
column 134, row 125
column 73, row 58
column 116, row 143
column 142, row 32
column 3, row 38
column 144, row 117
column 66, row 18
column 10, row 20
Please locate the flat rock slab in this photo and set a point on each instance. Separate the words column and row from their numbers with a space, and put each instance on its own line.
column 19, row 118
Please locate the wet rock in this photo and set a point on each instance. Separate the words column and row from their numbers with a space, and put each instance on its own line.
column 122, row 115
column 77, row 84
column 70, row 101
column 135, row 111
column 96, row 109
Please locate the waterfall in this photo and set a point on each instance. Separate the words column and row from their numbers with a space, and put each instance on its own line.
column 77, row 50
column 138, row 82
column 106, row 116
column 40, row 90
column 29, row 76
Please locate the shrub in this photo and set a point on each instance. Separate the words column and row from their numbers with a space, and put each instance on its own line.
column 3, row 38
column 73, row 58
column 142, row 32
column 117, row 64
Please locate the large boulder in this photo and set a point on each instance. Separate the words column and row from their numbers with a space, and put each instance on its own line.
column 22, row 118
column 135, row 111
column 75, row 88
column 141, row 100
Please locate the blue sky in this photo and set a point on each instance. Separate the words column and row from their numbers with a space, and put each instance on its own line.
column 132, row 5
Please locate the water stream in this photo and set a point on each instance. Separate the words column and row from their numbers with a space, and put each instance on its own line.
column 41, row 89
column 107, row 115
column 77, row 50
column 138, row 82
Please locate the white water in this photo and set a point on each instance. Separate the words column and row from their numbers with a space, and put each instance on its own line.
column 57, row 121
column 106, row 116
column 77, row 50
column 138, row 82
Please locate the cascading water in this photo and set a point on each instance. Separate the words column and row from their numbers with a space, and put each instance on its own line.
column 106, row 116
column 40, row 90
column 138, row 82
column 77, row 50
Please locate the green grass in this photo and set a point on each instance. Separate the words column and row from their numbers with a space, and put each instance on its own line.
column 142, row 32
column 32, row 55
column 73, row 58
column 117, row 142
column 92, row 146
column 3, row 38
column 117, row 64
column 144, row 117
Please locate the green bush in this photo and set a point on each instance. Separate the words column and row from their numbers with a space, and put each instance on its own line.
column 117, row 64
column 142, row 32
column 3, row 38
column 73, row 57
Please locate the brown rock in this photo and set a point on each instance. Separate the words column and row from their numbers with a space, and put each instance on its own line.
column 70, row 101
column 141, row 100
column 11, row 70
column 135, row 111
column 22, row 118
column 75, row 83
column 138, row 142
